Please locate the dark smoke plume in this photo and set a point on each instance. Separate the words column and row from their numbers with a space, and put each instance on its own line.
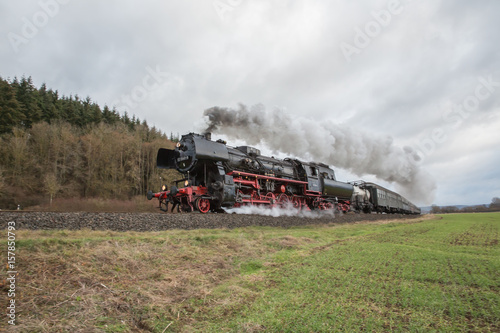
column 327, row 142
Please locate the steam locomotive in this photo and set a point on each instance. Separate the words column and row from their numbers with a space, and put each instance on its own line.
column 217, row 176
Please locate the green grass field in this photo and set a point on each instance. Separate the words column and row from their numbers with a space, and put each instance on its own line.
column 429, row 274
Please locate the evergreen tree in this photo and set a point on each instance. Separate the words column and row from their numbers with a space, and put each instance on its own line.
column 69, row 110
column 27, row 96
column 81, row 119
column 10, row 110
column 107, row 115
column 125, row 119
column 95, row 114
column 47, row 103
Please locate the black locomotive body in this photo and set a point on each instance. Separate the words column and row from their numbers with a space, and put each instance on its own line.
column 217, row 176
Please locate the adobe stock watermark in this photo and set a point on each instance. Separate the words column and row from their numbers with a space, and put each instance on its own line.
column 153, row 80
column 224, row 8
column 31, row 27
column 371, row 29
column 11, row 273
column 452, row 119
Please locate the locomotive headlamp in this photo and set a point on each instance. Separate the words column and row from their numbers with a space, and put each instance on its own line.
column 181, row 146
column 186, row 183
column 164, row 188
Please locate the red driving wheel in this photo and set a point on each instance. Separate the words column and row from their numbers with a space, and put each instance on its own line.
column 296, row 203
column 283, row 200
column 271, row 197
column 203, row 205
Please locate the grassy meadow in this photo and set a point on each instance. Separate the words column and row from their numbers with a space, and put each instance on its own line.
column 433, row 273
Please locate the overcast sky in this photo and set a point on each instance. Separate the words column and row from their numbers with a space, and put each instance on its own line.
column 426, row 73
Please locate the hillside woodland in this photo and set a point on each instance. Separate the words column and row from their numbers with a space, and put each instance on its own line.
column 55, row 146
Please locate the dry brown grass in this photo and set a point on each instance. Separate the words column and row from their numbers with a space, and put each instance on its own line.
column 134, row 205
column 110, row 281
column 417, row 219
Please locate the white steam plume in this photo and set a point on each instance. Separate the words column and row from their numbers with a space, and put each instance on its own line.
column 280, row 211
column 327, row 142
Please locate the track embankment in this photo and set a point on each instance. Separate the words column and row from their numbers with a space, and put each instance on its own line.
column 165, row 221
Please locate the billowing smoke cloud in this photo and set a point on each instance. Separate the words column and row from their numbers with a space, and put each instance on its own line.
column 327, row 142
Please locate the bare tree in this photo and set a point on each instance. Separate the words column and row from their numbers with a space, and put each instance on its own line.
column 435, row 209
column 2, row 182
column 51, row 184
column 495, row 203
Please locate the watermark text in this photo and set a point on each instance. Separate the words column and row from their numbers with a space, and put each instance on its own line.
column 11, row 272
column 452, row 119
column 30, row 27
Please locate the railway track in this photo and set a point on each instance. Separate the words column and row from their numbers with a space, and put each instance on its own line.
column 162, row 221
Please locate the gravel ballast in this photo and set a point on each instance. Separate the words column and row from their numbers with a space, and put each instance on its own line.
column 165, row 221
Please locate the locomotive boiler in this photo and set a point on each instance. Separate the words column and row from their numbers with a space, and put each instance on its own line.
column 217, row 176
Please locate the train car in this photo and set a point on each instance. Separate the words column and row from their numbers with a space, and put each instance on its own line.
column 387, row 201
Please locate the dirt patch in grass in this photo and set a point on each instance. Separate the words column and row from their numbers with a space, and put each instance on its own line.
column 291, row 242
column 477, row 235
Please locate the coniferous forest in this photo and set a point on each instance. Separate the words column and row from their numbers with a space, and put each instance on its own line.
column 55, row 146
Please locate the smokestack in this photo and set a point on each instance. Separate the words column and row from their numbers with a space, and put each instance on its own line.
column 324, row 141
column 208, row 136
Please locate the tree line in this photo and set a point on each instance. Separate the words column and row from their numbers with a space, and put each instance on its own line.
column 53, row 145
column 494, row 206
